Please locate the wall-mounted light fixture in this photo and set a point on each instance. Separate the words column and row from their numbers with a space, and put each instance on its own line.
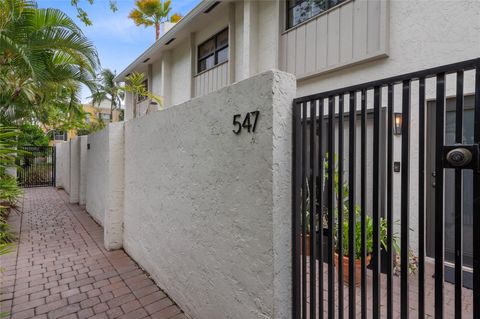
column 397, row 128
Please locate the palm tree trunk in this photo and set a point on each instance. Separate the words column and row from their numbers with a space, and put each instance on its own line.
column 157, row 30
column 111, row 110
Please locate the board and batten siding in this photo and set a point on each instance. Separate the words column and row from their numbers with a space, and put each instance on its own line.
column 211, row 80
column 353, row 32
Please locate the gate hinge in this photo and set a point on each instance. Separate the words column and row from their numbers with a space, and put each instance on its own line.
column 463, row 156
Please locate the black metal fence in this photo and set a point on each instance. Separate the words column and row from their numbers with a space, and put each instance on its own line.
column 36, row 166
column 358, row 165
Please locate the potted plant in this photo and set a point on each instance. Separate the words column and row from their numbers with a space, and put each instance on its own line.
column 344, row 188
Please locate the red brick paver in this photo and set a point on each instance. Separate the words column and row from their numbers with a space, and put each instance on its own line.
column 61, row 270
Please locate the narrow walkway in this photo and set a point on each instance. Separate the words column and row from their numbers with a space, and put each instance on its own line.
column 61, row 270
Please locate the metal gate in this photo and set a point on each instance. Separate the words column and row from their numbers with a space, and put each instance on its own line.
column 360, row 188
column 36, row 166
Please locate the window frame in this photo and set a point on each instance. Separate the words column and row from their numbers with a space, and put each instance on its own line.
column 289, row 7
column 214, row 53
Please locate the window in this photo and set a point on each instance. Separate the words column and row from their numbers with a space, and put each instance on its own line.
column 213, row 51
column 105, row 116
column 299, row 11
column 87, row 118
column 59, row 136
column 141, row 98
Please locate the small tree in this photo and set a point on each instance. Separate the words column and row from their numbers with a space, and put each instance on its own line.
column 107, row 88
column 153, row 13
column 134, row 84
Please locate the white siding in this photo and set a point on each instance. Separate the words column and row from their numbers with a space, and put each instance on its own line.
column 211, row 80
column 350, row 33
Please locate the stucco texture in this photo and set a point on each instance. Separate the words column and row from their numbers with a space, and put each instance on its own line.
column 207, row 212
column 97, row 163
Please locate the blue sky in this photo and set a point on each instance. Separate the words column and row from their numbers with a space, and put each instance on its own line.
column 118, row 40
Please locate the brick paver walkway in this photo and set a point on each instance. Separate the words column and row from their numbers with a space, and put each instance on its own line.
column 61, row 270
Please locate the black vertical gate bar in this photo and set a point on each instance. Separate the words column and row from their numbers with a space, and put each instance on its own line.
column 320, row 207
column 296, row 203
column 390, row 107
column 313, row 211
column 363, row 206
column 340, row 206
column 404, row 202
column 376, row 206
column 439, row 214
column 458, row 201
column 351, row 203
column 476, row 203
column 304, row 209
column 331, row 201
column 421, row 200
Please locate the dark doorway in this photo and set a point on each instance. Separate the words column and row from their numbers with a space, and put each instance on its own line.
column 468, row 121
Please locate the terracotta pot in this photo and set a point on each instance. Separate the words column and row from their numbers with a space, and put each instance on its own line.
column 358, row 269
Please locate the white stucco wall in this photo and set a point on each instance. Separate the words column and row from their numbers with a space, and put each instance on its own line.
column 62, row 166
column 74, row 170
column 97, row 174
column 181, row 75
column 208, row 212
column 113, row 227
column 59, row 165
column 82, row 200
column 105, row 182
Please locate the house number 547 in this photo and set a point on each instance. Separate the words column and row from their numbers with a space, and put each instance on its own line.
column 246, row 123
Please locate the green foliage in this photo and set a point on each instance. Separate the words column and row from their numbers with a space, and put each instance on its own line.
column 31, row 134
column 83, row 15
column 149, row 13
column 9, row 190
column 135, row 84
column 44, row 60
column 91, row 127
column 108, row 89
column 344, row 188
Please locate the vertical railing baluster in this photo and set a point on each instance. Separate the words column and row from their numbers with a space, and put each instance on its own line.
column 351, row 203
column 331, row 203
column 304, row 208
column 313, row 211
column 296, row 203
column 459, row 201
column 363, row 203
column 376, row 204
column 439, row 182
column 421, row 200
column 390, row 109
column 476, row 203
column 321, row 169
column 340, row 206
column 404, row 202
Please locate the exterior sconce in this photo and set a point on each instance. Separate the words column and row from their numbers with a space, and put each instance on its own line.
column 397, row 127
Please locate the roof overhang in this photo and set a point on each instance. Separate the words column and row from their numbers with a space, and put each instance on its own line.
column 168, row 40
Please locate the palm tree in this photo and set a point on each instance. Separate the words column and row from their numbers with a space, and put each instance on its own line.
column 134, row 84
column 44, row 59
column 107, row 88
column 152, row 13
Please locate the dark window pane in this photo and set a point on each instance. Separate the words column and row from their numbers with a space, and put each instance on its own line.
column 202, row 65
column 222, row 39
column 222, row 55
column 210, row 61
column 206, row 48
column 302, row 10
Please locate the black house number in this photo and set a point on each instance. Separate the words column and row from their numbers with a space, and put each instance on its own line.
column 246, row 123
